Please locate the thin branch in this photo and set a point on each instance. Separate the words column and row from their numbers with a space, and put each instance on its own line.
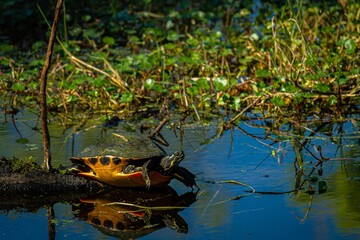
column 43, row 81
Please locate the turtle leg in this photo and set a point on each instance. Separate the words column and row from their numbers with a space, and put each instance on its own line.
column 145, row 172
column 185, row 176
column 176, row 222
column 129, row 169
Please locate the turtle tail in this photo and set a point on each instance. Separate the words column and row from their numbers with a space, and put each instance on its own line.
column 185, row 176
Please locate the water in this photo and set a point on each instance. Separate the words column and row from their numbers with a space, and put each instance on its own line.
column 243, row 157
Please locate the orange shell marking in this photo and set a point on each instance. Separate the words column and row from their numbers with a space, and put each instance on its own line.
column 108, row 169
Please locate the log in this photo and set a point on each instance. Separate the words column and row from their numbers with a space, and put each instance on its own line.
column 37, row 187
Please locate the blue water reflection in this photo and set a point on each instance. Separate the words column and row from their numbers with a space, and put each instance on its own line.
column 265, row 166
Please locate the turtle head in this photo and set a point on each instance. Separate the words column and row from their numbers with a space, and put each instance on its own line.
column 170, row 161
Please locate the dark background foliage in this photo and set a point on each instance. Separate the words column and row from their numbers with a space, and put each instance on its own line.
column 22, row 23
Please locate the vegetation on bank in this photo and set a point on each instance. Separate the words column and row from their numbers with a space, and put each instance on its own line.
column 290, row 60
column 291, row 63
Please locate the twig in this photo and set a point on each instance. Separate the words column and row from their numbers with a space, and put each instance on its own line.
column 244, row 110
column 158, row 128
column 117, row 82
column 156, row 131
column 43, row 80
column 302, row 220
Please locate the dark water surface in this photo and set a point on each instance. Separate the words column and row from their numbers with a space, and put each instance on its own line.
column 244, row 157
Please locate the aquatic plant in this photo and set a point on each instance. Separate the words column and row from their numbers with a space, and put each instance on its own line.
column 293, row 60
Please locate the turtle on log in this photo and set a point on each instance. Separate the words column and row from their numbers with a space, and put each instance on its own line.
column 131, row 160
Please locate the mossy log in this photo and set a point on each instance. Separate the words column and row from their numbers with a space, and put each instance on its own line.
column 35, row 187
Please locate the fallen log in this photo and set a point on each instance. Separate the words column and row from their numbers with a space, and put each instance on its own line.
column 35, row 187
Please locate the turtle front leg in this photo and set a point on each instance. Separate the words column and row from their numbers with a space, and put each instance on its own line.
column 185, row 176
column 145, row 172
column 131, row 169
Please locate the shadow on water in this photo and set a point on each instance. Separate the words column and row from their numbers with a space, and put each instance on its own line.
column 305, row 177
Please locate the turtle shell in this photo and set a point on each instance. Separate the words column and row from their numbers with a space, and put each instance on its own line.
column 125, row 145
column 107, row 160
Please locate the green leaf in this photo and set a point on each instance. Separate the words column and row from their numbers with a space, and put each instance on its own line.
column 172, row 36
column 92, row 33
column 37, row 63
column 37, row 45
column 341, row 81
column 158, row 88
column 340, row 42
column 311, row 60
column 262, row 73
column 169, row 24
column 134, row 39
column 149, row 83
column 278, row 101
column 203, row 83
column 223, row 99
column 99, row 81
column 243, row 13
column 170, row 46
column 245, row 59
column 127, row 97
column 6, row 47
column 333, row 100
column 18, row 87
column 220, row 83
column 79, row 81
column 226, row 52
column 109, row 40
column 254, row 37
column 86, row 18
column 171, row 61
column 34, row 85
column 72, row 98
column 322, row 87
column 93, row 93
column 350, row 46
column 236, row 103
column 192, row 41
column 217, row 34
column 193, row 90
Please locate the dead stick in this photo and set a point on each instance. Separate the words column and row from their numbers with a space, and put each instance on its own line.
column 157, row 132
column 43, row 80
column 244, row 110
column 158, row 128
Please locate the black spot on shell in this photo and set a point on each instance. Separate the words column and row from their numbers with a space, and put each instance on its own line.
column 116, row 160
column 93, row 160
column 96, row 221
column 105, row 160
column 120, row 226
column 108, row 224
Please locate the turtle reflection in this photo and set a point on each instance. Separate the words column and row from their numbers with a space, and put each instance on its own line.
column 132, row 213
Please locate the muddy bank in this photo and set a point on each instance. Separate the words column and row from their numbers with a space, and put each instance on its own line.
column 41, row 182
column 34, row 187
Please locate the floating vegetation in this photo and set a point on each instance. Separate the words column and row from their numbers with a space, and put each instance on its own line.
column 292, row 60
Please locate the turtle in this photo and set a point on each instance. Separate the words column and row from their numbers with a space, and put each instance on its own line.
column 131, row 160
